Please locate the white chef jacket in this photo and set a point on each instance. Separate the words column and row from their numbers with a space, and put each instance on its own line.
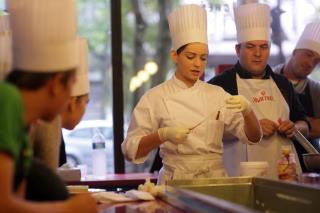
column 172, row 103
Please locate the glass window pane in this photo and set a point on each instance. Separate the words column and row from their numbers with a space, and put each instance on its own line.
column 146, row 45
column 94, row 23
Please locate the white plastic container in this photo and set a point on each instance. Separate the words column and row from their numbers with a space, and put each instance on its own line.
column 254, row 168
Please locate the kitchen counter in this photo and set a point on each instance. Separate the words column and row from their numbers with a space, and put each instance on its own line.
column 236, row 194
column 258, row 194
column 176, row 201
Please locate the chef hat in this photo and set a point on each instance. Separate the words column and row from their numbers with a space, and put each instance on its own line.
column 252, row 22
column 310, row 38
column 188, row 24
column 43, row 34
column 5, row 46
column 81, row 86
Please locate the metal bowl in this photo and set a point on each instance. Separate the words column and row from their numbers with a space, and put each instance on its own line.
column 312, row 162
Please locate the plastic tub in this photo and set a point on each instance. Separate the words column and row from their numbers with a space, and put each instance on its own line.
column 254, row 168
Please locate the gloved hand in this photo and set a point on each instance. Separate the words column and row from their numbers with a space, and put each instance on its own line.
column 240, row 103
column 173, row 134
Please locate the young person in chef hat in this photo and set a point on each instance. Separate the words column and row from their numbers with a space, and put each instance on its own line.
column 184, row 116
column 72, row 115
column 271, row 95
column 44, row 64
column 76, row 108
column 303, row 61
column 52, row 187
column 5, row 46
column 53, row 154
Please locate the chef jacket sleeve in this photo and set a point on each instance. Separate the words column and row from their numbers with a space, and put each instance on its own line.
column 234, row 124
column 141, row 124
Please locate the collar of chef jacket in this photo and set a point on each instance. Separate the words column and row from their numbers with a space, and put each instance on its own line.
column 181, row 84
column 247, row 75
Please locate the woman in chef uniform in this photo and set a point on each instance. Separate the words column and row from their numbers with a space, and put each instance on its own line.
column 185, row 116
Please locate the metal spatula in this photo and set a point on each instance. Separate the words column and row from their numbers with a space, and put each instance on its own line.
column 304, row 142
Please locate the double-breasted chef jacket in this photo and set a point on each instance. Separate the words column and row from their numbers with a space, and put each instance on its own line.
column 172, row 103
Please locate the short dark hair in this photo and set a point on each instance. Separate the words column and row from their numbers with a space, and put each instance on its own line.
column 33, row 81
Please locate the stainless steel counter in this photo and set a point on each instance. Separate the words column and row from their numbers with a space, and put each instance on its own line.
column 257, row 194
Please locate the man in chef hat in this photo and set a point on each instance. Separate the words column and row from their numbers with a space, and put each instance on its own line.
column 272, row 96
column 39, row 87
column 182, row 115
column 5, row 46
column 72, row 115
column 305, row 57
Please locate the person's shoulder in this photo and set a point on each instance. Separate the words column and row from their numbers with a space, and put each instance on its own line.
column 11, row 100
column 277, row 68
column 212, row 87
column 314, row 83
column 6, row 87
column 280, row 78
column 154, row 93
column 9, row 92
column 156, row 89
column 225, row 75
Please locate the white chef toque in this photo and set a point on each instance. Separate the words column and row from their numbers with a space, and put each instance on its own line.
column 43, row 34
column 252, row 22
column 5, row 46
column 310, row 37
column 188, row 24
column 81, row 86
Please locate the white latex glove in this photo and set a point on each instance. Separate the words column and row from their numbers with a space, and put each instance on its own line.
column 240, row 103
column 173, row 134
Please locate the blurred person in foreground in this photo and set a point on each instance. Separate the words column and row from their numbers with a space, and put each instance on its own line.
column 39, row 87
column 53, row 187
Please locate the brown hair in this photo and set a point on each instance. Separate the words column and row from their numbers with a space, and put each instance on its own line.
column 180, row 49
column 33, row 81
